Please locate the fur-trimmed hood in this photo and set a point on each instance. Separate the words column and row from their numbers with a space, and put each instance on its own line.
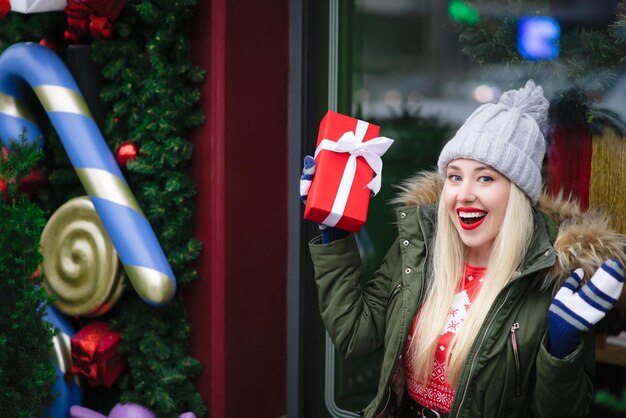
column 585, row 239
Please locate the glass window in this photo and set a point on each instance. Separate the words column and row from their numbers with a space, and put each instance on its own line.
column 419, row 68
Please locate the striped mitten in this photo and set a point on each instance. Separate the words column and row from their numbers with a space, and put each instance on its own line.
column 308, row 171
column 576, row 309
column 329, row 234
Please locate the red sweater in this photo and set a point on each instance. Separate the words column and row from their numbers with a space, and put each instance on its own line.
column 437, row 393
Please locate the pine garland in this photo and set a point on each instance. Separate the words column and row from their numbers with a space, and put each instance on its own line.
column 16, row 27
column 149, row 98
column 493, row 38
column 149, row 79
column 149, row 90
column 590, row 59
column 26, row 373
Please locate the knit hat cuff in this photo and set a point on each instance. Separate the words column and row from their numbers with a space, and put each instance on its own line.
column 512, row 162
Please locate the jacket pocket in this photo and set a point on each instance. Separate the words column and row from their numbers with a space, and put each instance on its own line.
column 396, row 290
column 516, row 360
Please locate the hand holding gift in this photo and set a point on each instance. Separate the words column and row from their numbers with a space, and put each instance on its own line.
column 308, row 173
column 347, row 157
column 329, row 234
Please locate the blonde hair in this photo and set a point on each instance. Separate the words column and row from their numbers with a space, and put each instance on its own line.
column 447, row 262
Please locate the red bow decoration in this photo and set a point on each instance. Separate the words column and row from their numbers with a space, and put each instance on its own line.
column 88, row 19
column 95, row 354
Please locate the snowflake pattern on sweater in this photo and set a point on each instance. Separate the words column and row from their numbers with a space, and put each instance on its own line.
column 437, row 393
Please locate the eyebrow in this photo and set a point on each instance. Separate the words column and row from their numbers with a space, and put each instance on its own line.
column 479, row 168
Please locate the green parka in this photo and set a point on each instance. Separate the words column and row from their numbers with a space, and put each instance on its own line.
column 509, row 372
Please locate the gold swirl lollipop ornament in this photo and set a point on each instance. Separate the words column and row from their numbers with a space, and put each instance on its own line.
column 80, row 265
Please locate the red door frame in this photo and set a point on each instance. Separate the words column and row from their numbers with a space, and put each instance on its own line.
column 237, row 306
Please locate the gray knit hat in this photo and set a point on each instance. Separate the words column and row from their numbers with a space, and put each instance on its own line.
column 506, row 136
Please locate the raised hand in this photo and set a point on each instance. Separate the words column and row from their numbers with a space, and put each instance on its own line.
column 576, row 309
column 329, row 234
column 308, row 171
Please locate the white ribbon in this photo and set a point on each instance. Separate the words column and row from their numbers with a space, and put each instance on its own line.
column 371, row 151
column 36, row 6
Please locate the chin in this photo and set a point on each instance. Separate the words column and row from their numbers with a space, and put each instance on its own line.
column 470, row 241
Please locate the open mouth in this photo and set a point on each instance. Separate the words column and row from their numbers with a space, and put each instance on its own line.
column 471, row 218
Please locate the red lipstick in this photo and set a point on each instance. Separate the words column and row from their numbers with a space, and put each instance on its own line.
column 473, row 225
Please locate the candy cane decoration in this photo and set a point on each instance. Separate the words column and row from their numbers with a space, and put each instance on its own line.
column 68, row 390
column 26, row 66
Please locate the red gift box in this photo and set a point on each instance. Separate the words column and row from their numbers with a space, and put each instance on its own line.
column 95, row 354
column 347, row 156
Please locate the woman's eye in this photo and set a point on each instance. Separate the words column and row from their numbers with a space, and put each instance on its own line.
column 454, row 177
column 485, row 179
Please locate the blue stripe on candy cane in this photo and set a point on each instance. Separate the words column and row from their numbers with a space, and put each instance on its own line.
column 11, row 129
column 84, row 143
column 27, row 65
column 134, row 239
column 37, row 65
column 13, row 84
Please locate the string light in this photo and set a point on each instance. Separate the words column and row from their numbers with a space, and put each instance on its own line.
column 460, row 11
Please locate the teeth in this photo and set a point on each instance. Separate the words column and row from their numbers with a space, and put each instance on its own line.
column 471, row 214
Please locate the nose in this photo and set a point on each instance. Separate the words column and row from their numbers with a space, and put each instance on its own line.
column 466, row 192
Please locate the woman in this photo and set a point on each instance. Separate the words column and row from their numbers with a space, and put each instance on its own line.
column 464, row 303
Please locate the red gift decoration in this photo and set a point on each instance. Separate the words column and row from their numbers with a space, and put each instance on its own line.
column 95, row 354
column 347, row 157
column 91, row 18
column 5, row 7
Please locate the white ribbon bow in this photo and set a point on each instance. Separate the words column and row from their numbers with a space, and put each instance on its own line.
column 371, row 151
column 37, row 6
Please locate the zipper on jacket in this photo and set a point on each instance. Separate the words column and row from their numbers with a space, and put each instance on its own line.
column 386, row 403
column 394, row 293
column 518, row 366
column 477, row 352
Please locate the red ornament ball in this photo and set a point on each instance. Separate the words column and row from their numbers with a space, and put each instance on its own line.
column 33, row 182
column 29, row 184
column 125, row 153
column 47, row 43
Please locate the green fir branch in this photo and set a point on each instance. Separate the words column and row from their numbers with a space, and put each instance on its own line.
column 151, row 92
column 26, row 372
column 591, row 59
